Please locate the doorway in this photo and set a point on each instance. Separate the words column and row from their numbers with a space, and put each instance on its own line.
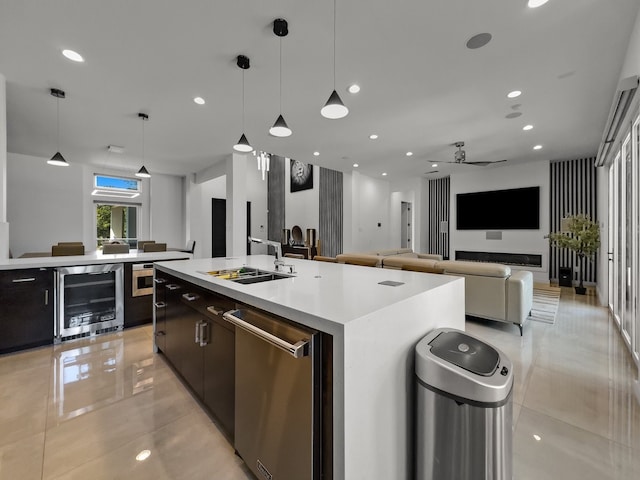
column 116, row 222
column 219, row 227
column 405, row 225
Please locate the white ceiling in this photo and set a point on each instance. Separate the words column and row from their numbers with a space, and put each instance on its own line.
column 422, row 89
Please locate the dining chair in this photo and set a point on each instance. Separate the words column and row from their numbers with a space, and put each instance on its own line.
column 154, row 247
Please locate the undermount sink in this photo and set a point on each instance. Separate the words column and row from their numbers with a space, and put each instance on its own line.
column 246, row 275
column 261, row 277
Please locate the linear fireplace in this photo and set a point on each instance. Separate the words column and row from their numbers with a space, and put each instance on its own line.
column 519, row 259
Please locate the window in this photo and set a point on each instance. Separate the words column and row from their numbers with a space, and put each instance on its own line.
column 118, row 187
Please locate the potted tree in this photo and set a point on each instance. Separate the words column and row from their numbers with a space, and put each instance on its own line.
column 582, row 236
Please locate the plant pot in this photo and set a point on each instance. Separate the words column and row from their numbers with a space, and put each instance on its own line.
column 581, row 290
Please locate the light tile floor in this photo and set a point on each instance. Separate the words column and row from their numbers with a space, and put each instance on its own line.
column 85, row 409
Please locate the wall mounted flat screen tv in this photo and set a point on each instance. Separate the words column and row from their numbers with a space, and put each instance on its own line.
column 514, row 209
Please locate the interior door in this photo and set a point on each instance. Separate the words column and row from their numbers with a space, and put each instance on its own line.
column 218, row 227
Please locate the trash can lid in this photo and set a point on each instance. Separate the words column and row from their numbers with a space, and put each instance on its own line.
column 466, row 352
column 467, row 369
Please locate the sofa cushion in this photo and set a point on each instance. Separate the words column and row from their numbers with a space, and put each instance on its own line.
column 475, row 268
column 360, row 259
column 400, row 262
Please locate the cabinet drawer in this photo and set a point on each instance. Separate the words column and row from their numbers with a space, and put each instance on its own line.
column 38, row 277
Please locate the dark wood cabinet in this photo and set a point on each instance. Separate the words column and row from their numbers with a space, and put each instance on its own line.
column 26, row 308
column 138, row 310
column 199, row 343
column 160, row 308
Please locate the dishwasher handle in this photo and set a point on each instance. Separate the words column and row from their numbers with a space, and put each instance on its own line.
column 298, row 350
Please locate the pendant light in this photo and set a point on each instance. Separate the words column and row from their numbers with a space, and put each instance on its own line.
column 334, row 108
column 57, row 159
column 143, row 172
column 243, row 144
column 280, row 128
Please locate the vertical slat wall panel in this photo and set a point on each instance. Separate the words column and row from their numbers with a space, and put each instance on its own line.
column 439, row 212
column 275, row 198
column 331, row 214
column 573, row 191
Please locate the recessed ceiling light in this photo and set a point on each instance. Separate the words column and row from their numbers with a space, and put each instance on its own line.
column 355, row 88
column 536, row 3
column 537, row 437
column 199, row 100
column 514, row 94
column 434, row 165
column 537, row 147
column 355, row 165
column 373, row 136
column 409, row 154
column 478, row 41
column 315, row 154
column 71, row 55
column 384, row 174
column 143, row 455
column 527, row 127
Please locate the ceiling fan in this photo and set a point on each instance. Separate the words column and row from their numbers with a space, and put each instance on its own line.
column 460, row 156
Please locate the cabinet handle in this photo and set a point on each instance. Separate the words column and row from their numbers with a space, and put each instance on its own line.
column 215, row 310
column 189, row 297
column 204, row 337
column 159, row 280
column 160, row 304
column 46, row 297
column 171, row 286
column 197, row 340
column 22, row 280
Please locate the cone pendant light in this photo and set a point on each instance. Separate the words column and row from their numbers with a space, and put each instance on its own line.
column 143, row 172
column 280, row 128
column 243, row 144
column 334, row 108
column 57, row 159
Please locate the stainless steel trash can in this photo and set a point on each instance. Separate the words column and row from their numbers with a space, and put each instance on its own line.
column 464, row 408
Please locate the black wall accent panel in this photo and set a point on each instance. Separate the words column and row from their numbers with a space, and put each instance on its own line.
column 573, row 191
column 331, row 212
column 439, row 206
column 275, row 199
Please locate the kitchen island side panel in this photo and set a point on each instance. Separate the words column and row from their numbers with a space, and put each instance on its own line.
column 379, row 384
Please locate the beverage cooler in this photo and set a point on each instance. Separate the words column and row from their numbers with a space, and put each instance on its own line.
column 89, row 300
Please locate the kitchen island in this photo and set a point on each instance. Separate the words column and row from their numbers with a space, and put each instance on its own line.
column 374, row 328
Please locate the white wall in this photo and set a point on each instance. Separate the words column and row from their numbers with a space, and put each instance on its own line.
column 214, row 185
column 167, row 210
column 4, row 226
column 513, row 241
column 44, row 204
column 370, row 200
column 301, row 208
column 47, row 204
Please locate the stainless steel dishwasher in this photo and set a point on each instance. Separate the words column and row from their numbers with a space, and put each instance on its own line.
column 277, row 396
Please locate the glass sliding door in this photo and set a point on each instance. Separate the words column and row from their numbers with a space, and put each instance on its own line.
column 626, row 280
column 624, row 242
column 635, row 284
column 618, row 221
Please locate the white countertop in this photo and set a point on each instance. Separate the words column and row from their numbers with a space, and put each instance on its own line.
column 91, row 258
column 319, row 294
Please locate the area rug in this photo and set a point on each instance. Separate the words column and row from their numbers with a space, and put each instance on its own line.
column 545, row 303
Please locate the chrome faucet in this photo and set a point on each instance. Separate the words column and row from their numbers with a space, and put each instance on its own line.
column 278, row 262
